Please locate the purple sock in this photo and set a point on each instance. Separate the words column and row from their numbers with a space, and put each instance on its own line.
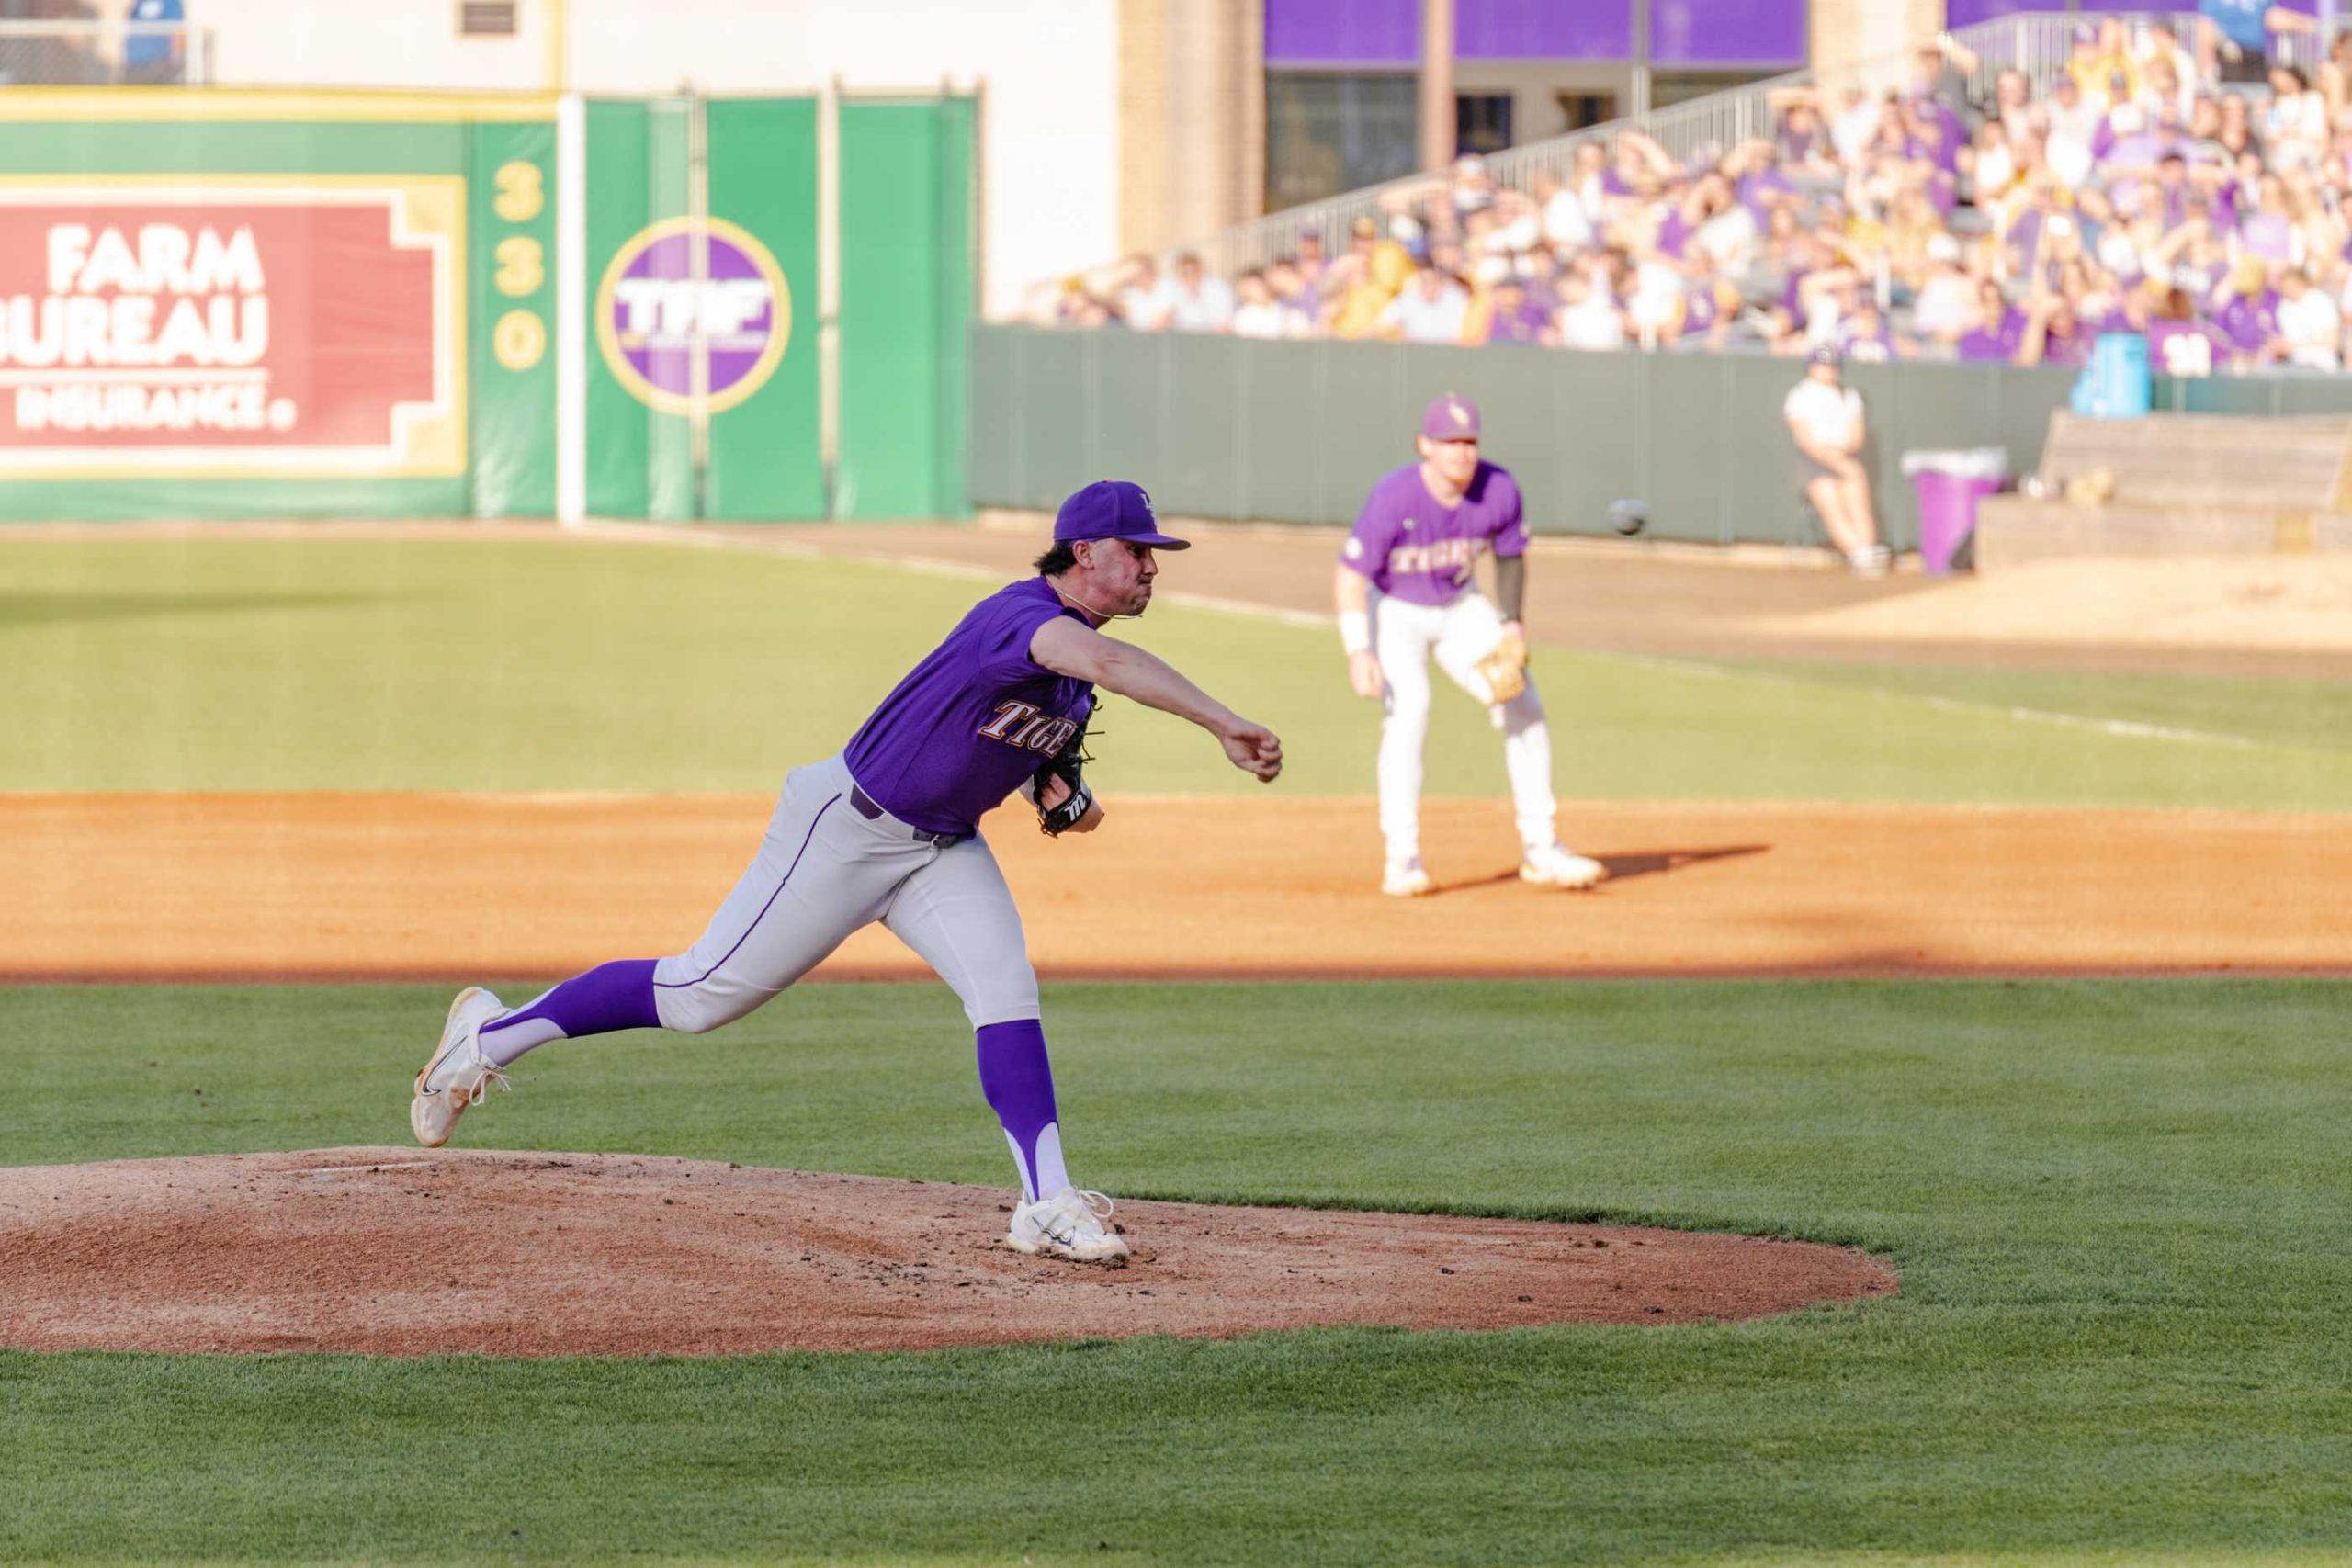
column 613, row 995
column 1019, row 1083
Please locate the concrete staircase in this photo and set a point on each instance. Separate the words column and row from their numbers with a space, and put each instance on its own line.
column 2184, row 484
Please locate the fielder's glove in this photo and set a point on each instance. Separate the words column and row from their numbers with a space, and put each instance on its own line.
column 1505, row 669
column 1066, row 766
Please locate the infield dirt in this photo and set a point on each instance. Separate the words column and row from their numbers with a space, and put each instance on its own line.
column 409, row 1252
column 452, row 886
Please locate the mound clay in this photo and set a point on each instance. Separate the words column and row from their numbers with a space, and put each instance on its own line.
column 406, row 1252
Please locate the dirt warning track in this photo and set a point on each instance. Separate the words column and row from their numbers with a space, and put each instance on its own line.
column 409, row 1252
column 444, row 887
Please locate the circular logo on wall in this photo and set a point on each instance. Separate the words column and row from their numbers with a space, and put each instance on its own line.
column 693, row 315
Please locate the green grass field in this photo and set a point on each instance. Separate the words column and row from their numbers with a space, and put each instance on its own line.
column 2125, row 1330
column 535, row 665
column 2297, row 714
column 2126, row 1320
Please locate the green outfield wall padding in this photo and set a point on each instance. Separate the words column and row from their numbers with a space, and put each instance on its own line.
column 510, row 221
column 640, row 460
column 354, row 314
column 906, row 300
column 765, row 460
column 1297, row 432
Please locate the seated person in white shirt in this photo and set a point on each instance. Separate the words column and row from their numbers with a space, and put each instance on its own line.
column 1565, row 220
column 1827, row 419
column 1142, row 297
column 1197, row 302
column 2311, row 327
column 1586, row 316
column 1432, row 308
column 1260, row 315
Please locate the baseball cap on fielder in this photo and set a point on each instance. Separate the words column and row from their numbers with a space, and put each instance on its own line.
column 1451, row 418
column 1113, row 509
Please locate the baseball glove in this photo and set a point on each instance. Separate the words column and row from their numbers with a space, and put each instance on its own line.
column 1067, row 765
column 1505, row 668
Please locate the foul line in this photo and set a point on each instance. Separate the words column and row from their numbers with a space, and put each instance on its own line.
column 2125, row 729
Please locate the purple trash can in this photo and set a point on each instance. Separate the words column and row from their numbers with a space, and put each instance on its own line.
column 1950, row 484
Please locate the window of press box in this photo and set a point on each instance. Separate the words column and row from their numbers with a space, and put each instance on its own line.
column 486, row 19
column 1481, row 122
column 1333, row 131
column 1669, row 87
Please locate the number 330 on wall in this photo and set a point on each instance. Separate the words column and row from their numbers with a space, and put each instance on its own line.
column 520, row 338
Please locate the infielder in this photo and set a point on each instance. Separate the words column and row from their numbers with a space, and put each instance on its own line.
column 1418, row 542
column 887, row 829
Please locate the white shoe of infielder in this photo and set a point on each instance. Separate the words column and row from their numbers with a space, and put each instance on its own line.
column 1069, row 1224
column 458, row 1068
column 1405, row 879
column 1553, row 866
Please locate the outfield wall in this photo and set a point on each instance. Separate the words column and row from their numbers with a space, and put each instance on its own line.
column 1297, row 432
column 295, row 304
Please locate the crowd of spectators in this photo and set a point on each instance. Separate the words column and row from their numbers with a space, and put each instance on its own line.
column 2144, row 186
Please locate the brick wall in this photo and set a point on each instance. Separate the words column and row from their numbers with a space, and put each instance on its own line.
column 1845, row 32
column 1192, row 117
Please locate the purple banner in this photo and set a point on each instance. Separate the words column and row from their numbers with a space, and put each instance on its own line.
column 1545, row 29
column 1962, row 13
column 1735, row 32
column 1343, row 32
column 1682, row 32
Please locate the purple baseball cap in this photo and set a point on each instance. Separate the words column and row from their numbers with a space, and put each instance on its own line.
column 1451, row 418
column 1113, row 509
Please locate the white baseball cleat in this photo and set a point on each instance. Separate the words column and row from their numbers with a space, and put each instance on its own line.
column 458, row 1074
column 1069, row 1224
column 1553, row 866
column 1405, row 879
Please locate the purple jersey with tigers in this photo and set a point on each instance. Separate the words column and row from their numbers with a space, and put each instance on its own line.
column 1413, row 549
column 974, row 719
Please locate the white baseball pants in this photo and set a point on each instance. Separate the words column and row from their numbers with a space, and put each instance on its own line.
column 824, row 870
column 1459, row 634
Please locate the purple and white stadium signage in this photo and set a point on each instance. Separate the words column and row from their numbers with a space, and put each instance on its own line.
column 693, row 315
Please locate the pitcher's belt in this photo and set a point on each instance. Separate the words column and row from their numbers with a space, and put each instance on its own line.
column 864, row 803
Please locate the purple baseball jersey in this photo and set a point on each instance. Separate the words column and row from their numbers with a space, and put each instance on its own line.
column 1416, row 550
column 974, row 719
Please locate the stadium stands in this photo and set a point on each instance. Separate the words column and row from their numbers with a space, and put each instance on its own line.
column 1964, row 214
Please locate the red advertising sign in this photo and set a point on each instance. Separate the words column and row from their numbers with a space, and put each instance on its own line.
column 218, row 326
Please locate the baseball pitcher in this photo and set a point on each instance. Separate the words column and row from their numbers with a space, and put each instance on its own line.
column 1418, row 543
column 887, row 829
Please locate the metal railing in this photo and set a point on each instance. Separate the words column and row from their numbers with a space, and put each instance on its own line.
column 2037, row 44
column 103, row 53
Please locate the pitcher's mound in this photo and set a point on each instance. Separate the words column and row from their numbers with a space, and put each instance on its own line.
column 409, row 1252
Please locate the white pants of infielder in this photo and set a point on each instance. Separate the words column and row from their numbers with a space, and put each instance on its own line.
column 1404, row 636
column 824, row 871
